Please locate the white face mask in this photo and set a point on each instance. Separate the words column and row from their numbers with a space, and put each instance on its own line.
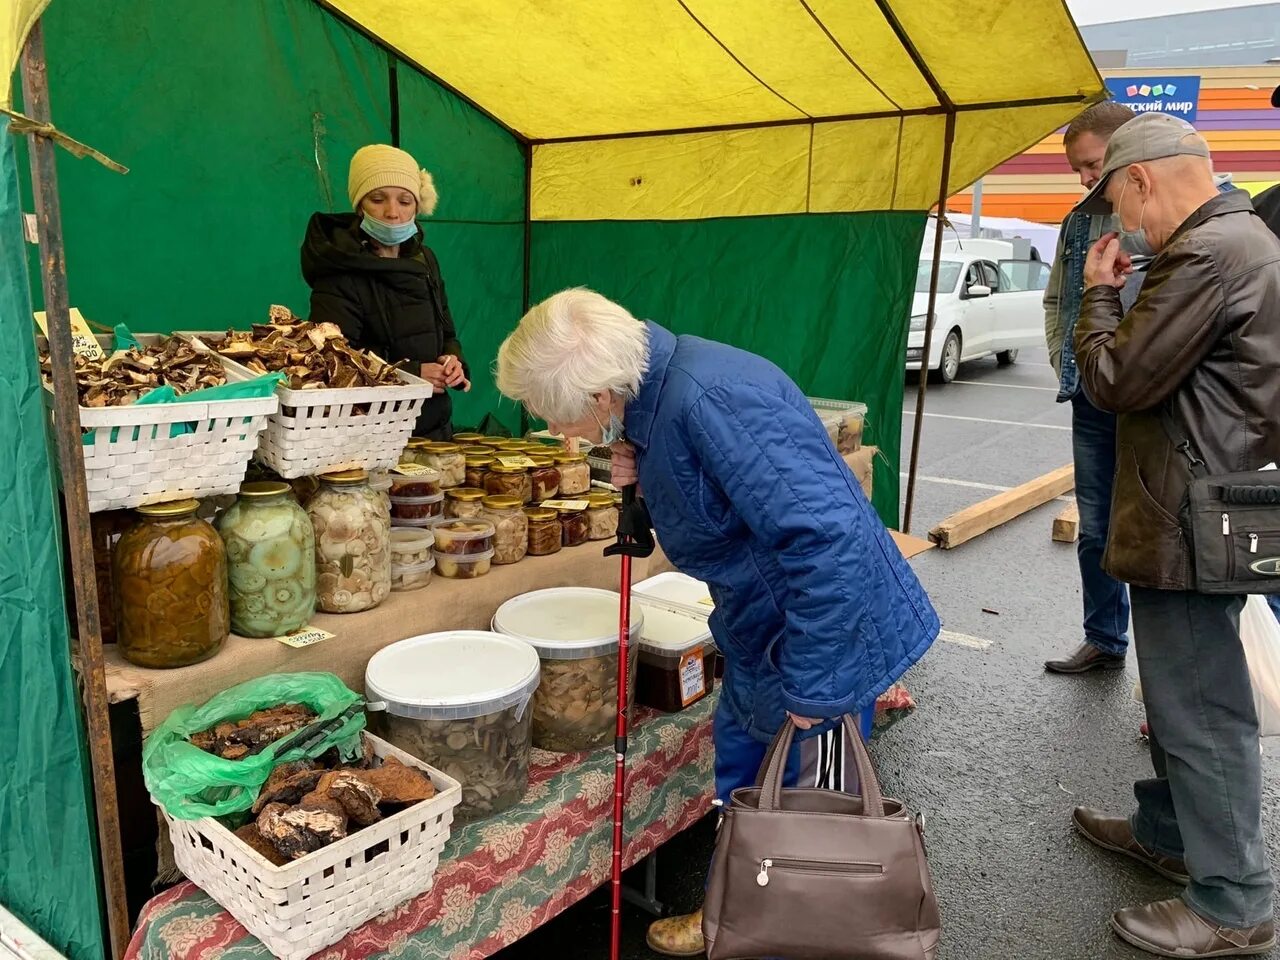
column 1136, row 243
column 613, row 432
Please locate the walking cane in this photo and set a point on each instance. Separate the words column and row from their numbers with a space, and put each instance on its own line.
column 635, row 539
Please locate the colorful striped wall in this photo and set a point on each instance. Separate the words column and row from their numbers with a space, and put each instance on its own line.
column 1234, row 114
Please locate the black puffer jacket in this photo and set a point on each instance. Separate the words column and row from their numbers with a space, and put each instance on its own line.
column 394, row 306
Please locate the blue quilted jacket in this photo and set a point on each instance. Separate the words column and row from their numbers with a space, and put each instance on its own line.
column 816, row 610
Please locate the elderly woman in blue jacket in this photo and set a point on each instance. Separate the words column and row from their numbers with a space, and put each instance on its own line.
column 816, row 611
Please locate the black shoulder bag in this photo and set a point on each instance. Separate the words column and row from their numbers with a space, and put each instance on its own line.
column 1231, row 522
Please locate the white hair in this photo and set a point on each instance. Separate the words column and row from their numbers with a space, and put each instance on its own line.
column 572, row 345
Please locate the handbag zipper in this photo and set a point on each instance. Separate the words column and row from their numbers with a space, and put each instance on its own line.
column 816, row 866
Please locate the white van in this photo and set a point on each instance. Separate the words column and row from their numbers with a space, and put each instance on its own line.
column 989, row 304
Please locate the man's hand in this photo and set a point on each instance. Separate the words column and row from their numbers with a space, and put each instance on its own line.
column 452, row 370
column 433, row 373
column 803, row 723
column 1107, row 265
column 623, row 472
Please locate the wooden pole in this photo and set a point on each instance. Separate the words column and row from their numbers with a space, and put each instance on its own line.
column 66, row 423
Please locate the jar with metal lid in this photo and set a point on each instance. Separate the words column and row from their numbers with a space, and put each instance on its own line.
column 507, row 480
column 447, row 460
column 602, row 517
column 380, row 480
column 575, row 474
column 463, row 503
column 510, row 526
column 493, row 442
column 105, row 529
column 465, row 438
column 415, row 451
column 271, row 568
column 545, row 531
column 476, row 450
column 573, row 524
column 545, row 479
column 170, row 575
column 477, row 467
column 353, row 535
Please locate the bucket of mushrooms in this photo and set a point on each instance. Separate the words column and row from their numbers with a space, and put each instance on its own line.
column 575, row 631
column 459, row 700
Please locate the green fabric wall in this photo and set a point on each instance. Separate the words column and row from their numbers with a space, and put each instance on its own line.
column 826, row 297
column 47, row 840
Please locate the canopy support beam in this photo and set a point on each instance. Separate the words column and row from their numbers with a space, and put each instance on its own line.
column 66, row 428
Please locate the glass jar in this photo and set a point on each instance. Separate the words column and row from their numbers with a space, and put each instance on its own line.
column 473, row 450
column 545, row 479
column 271, row 568
column 381, row 482
column 447, row 460
column 463, row 503
column 573, row 524
column 510, row 526
column 545, row 531
column 477, row 467
column 503, row 480
column 105, row 530
column 493, row 442
column 353, row 531
column 170, row 575
column 467, row 438
column 415, row 451
column 575, row 474
column 602, row 517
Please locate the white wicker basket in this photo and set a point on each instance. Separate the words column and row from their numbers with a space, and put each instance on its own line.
column 316, row 431
column 306, row 905
column 144, row 464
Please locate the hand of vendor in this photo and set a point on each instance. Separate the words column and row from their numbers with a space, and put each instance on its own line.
column 454, row 376
column 1107, row 265
column 803, row 723
column 623, row 472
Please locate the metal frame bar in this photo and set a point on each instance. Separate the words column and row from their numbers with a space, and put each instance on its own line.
column 66, row 428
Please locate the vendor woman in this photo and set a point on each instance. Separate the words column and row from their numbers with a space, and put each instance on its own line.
column 371, row 273
column 816, row 611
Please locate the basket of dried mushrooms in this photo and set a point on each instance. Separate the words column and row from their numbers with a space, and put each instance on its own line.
column 340, row 407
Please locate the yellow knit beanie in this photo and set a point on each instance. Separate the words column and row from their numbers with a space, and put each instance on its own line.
column 380, row 165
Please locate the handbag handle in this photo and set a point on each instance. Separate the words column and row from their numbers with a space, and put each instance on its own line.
column 780, row 749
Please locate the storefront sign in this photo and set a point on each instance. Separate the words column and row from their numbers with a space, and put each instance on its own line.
column 1177, row 96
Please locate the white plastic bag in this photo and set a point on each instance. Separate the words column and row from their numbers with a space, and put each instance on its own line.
column 1260, row 636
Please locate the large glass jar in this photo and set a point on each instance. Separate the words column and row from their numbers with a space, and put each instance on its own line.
column 271, row 569
column 510, row 526
column 575, row 474
column 447, row 460
column 545, row 479
column 602, row 517
column 573, row 525
column 477, row 467
column 353, row 530
column 504, row 480
column 170, row 573
column 545, row 531
column 463, row 503
column 105, row 529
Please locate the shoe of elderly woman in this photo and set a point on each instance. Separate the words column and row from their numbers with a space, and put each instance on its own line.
column 678, row 936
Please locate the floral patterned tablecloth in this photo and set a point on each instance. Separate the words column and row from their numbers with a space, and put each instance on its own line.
column 501, row 878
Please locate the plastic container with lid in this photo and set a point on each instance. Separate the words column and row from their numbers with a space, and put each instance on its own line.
column 677, row 665
column 412, row 577
column 508, row 480
column 844, row 421
column 511, row 528
column 677, row 590
column 545, row 531
column 575, row 474
column 463, row 503
column 448, row 460
column 416, row 508
column 575, row 631
column 463, row 566
column 545, row 478
column 602, row 517
column 422, row 482
column 411, row 546
column 459, row 700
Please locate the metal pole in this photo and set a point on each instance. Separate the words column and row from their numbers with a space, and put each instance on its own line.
column 949, row 138
column 975, row 223
column 66, row 424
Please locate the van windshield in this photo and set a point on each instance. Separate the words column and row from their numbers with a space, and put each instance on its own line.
column 948, row 274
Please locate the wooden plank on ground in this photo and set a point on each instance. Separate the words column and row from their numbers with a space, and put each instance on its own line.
column 990, row 513
column 1066, row 525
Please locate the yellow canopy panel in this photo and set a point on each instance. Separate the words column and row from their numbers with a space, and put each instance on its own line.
column 16, row 19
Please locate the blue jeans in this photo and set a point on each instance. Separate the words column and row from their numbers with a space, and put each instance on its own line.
column 1106, row 600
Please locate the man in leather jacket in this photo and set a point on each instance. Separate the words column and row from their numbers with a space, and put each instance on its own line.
column 1201, row 346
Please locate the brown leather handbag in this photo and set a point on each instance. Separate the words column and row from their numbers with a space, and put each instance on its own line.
column 812, row 874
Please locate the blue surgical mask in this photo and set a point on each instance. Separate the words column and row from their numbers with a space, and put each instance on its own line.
column 1134, row 242
column 613, row 432
column 388, row 234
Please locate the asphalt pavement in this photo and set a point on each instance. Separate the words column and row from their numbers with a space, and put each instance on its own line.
column 997, row 752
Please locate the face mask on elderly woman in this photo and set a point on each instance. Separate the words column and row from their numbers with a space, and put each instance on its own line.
column 613, row 432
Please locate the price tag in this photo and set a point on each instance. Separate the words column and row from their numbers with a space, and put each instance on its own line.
column 83, row 342
column 524, row 462
column 566, row 504
column 693, row 678
column 304, row 637
column 411, row 469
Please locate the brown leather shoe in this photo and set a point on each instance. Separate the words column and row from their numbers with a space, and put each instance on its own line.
column 678, row 936
column 1115, row 834
column 1170, row 928
column 1087, row 657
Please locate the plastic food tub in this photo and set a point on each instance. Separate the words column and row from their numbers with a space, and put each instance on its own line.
column 843, row 419
column 461, row 698
column 413, row 576
column 575, row 631
column 677, row 667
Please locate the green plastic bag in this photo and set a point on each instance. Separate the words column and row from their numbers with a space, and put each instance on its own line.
column 191, row 783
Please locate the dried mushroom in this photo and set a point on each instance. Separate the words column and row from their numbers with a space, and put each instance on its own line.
column 297, row 832
column 235, row 740
column 126, row 375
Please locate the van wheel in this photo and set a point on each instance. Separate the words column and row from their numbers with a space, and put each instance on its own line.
column 949, row 365
column 1007, row 358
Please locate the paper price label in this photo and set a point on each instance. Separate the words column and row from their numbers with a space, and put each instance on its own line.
column 304, row 637
column 411, row 469
column 83, row 342
column 566, row 504
column 693, row 679
column 524, row 462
